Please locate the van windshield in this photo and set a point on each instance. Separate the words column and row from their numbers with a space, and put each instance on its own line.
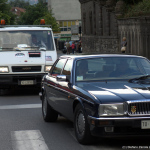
column 26, row 40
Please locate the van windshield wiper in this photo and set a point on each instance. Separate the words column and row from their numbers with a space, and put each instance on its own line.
column 143, row 77
column 9, row 49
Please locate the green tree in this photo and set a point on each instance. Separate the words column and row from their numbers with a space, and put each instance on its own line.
column 19, row 3
column 34, row 13
column 49, row 20
column 5, row 12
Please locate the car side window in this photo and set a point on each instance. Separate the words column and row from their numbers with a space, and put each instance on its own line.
column 58, row 67
column 68, row 67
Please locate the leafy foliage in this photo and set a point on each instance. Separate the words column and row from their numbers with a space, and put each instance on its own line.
column 140, row 9
column 49, row 20
column 132, row 2
column 19, row 3
column 5, row 12
column 34, row 13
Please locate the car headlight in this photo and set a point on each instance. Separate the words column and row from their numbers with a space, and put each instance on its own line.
column 47, row 68
column 4, row 69
column 111, row 109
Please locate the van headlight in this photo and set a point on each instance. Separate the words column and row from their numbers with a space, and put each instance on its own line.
column 111, row 109
column 4, row 70
column 47, row 68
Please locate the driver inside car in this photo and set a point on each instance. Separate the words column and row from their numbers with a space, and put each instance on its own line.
column 82, row 69
column 122, row 69
column 36, row 43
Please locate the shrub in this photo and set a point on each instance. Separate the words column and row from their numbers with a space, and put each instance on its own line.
column 140, row 9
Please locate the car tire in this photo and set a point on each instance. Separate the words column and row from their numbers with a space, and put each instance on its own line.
column 82, row 129
column 49, row 114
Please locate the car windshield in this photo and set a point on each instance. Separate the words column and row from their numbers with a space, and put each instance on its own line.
column 108, row 68
column 26, row 40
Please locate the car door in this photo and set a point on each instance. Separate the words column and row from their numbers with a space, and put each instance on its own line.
column 66, row 92
column 52, row 85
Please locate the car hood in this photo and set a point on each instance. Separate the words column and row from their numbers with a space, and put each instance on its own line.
column 117, row 91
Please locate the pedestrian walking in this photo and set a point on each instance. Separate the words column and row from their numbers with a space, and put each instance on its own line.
column 73, row 47
column 68, row 47
column 123, row 45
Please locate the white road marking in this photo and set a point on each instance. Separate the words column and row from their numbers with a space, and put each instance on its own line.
column 21, row 106
column 28, row 140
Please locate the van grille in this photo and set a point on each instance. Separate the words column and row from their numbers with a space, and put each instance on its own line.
column 34, row 54
column 139, row 108
column 26, row 68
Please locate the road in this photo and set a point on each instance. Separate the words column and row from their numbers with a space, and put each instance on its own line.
column 23, row 128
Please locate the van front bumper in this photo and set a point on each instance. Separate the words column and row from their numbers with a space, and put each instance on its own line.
column 7, row 81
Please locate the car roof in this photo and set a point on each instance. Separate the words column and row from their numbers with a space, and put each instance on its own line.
column 98, row 55
column 24, row 28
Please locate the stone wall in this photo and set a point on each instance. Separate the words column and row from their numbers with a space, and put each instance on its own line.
column 102, row 32
column 98, row 44
column 137, row 32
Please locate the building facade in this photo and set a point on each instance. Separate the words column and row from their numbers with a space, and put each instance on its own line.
column 67, row 13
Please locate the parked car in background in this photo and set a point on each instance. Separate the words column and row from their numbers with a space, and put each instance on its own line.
column 103, row 95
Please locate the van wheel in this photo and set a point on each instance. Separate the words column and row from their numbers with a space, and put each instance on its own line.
column 82, row 129
column 49, row 114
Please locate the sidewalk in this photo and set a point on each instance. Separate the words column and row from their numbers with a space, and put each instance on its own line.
column 59, row 52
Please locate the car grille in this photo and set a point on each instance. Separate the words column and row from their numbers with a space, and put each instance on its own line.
column 26, row 68
column 138, row 108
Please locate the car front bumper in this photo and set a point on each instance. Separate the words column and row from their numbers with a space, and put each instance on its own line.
column 118, row 126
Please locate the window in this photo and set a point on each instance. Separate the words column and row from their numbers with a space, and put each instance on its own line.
column 69, row 23
column 73, row 23
column 68, row 67
column 61, row 24
column 66, row 25
column 24, row 38
column 58, row 67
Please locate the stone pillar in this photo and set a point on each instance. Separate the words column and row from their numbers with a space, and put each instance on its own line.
column 101, row 4
column 110, row 5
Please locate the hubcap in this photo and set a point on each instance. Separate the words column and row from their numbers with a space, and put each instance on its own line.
column 80, row 123
column 44, row 106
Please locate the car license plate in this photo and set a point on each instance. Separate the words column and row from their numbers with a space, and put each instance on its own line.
column 27, row 82
column 145, row 124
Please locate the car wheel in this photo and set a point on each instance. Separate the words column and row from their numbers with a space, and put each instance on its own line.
column 49, row 114
column 82, row 129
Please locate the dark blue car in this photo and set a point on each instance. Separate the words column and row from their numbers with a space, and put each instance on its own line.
column 104, row 95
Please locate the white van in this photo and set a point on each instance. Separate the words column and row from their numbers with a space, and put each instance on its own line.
column 26, row 54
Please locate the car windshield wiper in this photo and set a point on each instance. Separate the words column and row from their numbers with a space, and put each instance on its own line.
column 140, row 78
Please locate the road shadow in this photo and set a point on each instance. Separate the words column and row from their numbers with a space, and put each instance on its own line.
column 20, row 91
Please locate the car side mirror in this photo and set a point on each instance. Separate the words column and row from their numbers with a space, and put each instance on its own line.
column 65, row 78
